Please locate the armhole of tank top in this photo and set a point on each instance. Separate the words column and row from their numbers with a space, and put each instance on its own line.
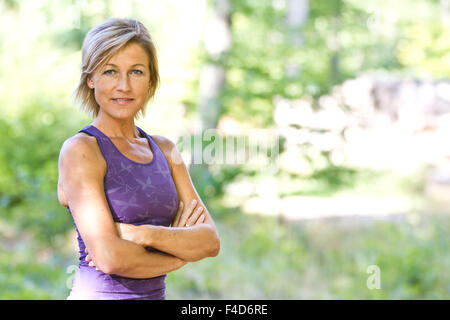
column 162, row 154
column 151, row 141
column 100, row 146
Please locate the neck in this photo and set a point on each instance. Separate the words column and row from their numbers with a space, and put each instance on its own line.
column 116, row 128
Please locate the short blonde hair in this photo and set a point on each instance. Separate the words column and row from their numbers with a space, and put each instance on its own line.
column 100, row 44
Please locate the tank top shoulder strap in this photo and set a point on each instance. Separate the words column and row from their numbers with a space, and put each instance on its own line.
column 104, row 143
column 89, row 129
column 155, row 148
column 149, row 137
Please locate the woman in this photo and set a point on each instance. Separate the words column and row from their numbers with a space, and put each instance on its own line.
column 124, row 188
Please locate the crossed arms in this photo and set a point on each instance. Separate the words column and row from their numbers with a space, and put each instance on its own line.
column 119, row 248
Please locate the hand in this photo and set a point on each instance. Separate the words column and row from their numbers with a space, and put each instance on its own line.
column 89, row 259
column 128, row 232
column 189, row 216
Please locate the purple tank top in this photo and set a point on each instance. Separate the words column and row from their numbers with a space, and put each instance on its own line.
column 137, row 193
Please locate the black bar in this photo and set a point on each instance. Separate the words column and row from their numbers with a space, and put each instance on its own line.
column 223, row 309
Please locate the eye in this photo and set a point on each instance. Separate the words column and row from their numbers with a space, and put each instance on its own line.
column 110, row 71
column 136, row 71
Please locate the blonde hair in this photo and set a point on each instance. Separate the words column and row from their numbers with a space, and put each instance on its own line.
column 100, row 44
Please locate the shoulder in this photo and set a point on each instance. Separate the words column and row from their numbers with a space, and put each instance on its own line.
column 81, row 150
column 169, row 148
column 79, row 144
column 164, row 143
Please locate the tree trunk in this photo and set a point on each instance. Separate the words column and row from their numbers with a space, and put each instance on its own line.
column 334, row 44
column 217, row 41
column 296, row 17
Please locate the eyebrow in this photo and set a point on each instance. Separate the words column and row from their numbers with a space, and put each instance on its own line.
column 134, row 65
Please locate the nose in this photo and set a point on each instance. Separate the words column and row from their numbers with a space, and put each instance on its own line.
column 124, row 83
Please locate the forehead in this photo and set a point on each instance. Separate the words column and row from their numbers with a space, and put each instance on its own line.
column 130, row 54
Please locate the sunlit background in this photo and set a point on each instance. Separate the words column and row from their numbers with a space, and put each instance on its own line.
column 357, row 92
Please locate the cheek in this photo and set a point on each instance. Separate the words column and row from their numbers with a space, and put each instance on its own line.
column 102, row 90
column 142, row 90
column 141, row 85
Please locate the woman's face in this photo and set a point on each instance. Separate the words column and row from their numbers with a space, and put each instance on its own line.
column 121, row 86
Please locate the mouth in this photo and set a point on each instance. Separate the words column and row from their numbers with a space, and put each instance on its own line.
column 122, row 100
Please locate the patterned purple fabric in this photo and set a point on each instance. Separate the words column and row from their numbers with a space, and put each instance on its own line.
column 137, row 193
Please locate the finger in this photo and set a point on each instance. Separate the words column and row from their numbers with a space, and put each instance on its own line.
column 187, row 213
column 177, row 216
column 201, row 219
column 194, row 217
column 119, row 231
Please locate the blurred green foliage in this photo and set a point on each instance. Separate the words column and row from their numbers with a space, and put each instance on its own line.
column 261, row 258
column 29, row 168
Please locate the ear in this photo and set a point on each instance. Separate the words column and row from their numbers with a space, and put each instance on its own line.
column 90, row 83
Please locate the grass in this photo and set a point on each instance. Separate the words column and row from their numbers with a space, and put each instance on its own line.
column 268, row 258
column 263, row 259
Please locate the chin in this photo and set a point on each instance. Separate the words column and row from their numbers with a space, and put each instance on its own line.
column 122, row 115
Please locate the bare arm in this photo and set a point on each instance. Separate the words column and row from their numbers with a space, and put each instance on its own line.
column 81, row 173
column 192, row 243
column 189, row 242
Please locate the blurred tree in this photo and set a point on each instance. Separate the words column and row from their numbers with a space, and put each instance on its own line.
column 29, row 162
column 10, row 4
column 70, row 37
column 254, row 50
column 296, row 17
column 216, row 44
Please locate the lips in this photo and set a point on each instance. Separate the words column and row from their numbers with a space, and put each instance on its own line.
column 122, row 100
